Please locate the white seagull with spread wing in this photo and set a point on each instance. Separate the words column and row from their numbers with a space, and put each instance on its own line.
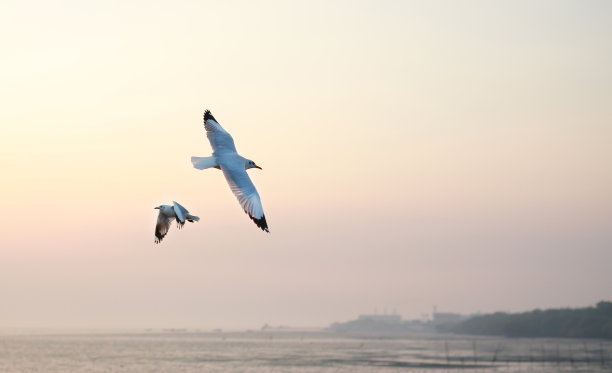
column 167, row 214
column 234, row 168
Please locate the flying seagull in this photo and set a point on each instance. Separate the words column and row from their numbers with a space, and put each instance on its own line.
column 234, row 168
column 167, row 214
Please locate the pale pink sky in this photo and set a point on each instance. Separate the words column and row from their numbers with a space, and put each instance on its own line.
column 414, row 154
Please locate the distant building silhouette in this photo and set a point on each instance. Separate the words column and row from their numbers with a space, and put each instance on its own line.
column 447, row 317
column 388, row 319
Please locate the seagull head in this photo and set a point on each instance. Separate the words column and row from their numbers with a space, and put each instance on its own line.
column 250, row 164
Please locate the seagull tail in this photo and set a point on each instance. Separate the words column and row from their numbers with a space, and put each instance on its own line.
column 202, row 163
column 192, row 218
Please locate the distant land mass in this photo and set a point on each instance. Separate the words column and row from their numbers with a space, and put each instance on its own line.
column 588, row 322
column 380, row 324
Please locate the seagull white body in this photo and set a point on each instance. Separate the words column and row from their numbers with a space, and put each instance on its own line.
column 167, row 214
column 234, row 166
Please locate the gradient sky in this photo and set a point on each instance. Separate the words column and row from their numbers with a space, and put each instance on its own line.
column 414, row 154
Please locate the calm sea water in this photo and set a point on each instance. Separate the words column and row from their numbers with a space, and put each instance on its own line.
column 294, row 352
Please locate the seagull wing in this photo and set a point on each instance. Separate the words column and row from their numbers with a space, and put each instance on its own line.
column 220, row 140
column 162, row 226
column 243, row 188
column 181, row 214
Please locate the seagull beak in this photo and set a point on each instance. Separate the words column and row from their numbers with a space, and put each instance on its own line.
column 155, row 208
column 256, row 166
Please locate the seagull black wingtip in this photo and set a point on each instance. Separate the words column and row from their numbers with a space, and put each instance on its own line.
column 261, row 222
column 208, row 115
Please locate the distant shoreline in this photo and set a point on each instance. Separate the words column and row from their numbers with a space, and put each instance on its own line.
column 588, row 322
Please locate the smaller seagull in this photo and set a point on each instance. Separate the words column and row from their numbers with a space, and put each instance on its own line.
column 167, row 214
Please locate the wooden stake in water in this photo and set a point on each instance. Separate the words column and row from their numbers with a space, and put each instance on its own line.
column 446, row 348
column 496, row 351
